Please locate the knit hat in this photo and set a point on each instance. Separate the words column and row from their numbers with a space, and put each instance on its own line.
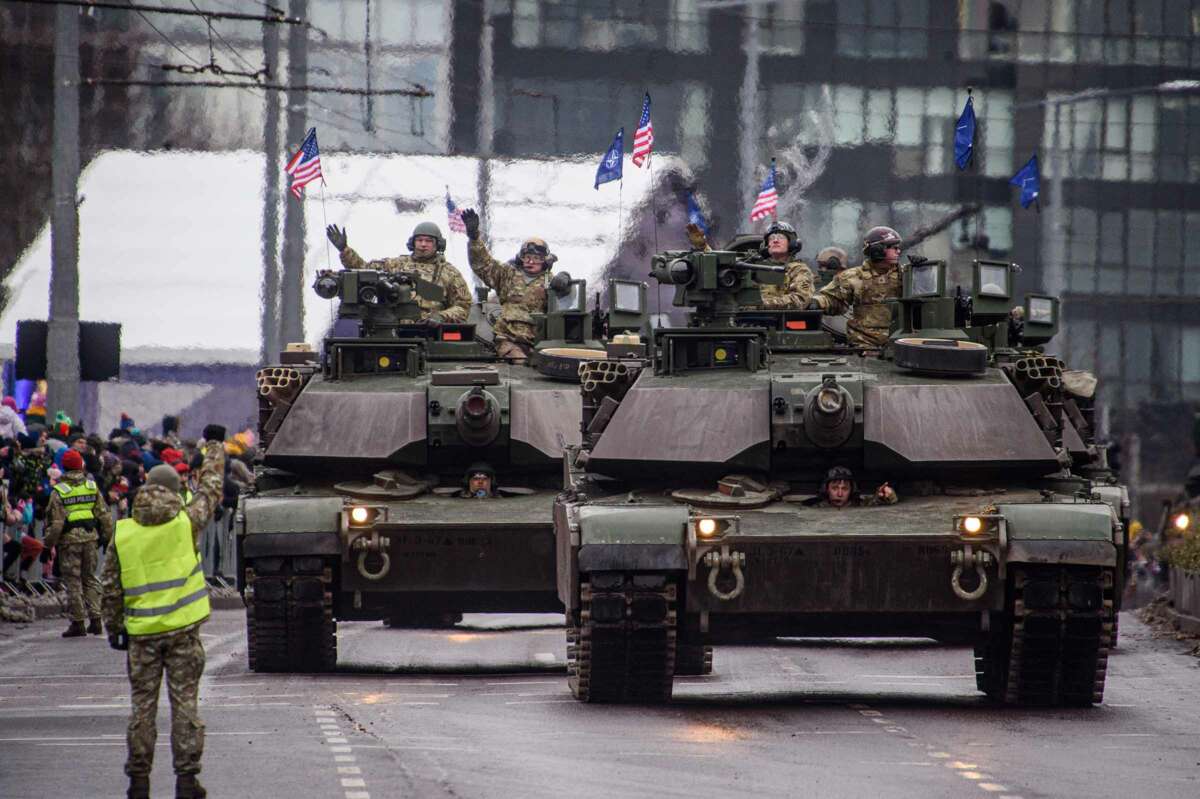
column 170, row 455
column 72, row 461
column 182, row 468
column 163, row 475
column 10, row 402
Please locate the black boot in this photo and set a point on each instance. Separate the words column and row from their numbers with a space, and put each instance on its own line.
column 76, row 630
column 188, row 787
column 95, row 628
column 139, row 788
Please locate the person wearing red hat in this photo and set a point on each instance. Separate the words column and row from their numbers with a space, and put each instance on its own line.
column 75, row 519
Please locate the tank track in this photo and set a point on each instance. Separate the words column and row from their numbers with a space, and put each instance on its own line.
column 622, row 648
column 1051, row 648
column 289, row 616
column 693, row 659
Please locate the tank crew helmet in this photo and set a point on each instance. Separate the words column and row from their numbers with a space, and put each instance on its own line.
column 833, row 258
column 839, row 473
column 793, row 238
column 475, row 475
column 878, row 240
column 431, row 230
column 537, row 247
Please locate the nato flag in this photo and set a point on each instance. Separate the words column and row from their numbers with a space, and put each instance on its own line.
column 695, row 215
column 964, row 135
column 1030, row 182
column 611, row 163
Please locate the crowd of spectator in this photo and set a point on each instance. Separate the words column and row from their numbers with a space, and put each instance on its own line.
column 31, row 462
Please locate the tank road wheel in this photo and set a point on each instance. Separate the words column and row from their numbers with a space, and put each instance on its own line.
column 289, row 615
column 1056, row 639
column 693, row 659
column 622, row 647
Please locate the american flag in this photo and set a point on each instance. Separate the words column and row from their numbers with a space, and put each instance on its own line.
column 454, row 215
column 305, row 166
column 643, row 137
column 768, row 199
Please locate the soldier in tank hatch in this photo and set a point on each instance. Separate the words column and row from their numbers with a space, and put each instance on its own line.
column 780, row 246
column 520, row 285
column 840, row 490
column 863, row 290
column 427, row 246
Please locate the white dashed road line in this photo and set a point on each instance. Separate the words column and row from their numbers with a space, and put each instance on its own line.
column 349, row 775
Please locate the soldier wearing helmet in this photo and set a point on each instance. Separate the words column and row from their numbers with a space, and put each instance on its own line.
column 520, row 285
column 839, row 490
column 780, row 243
column 864, row 289
column 830, row 262
column 427, row 260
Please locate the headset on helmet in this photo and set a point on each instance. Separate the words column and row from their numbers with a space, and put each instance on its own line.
column 833, row 258
column 877, row 241
column 431, row 230
column 536, row 246
column 794, row 243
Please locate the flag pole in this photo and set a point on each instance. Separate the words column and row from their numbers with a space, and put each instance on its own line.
column 653, row 199
column 325, row 219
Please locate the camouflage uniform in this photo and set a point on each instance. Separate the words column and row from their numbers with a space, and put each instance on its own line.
column 863, row 289
column 856, row 501
column 180, row 651
column 521, row 296
column 791, row 295
column 435, row 269
column 77, row 550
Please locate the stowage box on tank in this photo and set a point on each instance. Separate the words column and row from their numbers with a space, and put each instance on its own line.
column 691, row 516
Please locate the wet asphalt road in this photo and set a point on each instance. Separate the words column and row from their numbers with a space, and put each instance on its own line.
column 483, row 711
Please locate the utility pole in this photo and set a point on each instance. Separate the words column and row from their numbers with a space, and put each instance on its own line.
column 272, row 168
column 62, row 337
column 751, row 124
column 291, row 299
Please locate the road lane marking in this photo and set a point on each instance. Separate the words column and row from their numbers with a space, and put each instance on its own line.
column 336, row 741
column 343, row 758
column 353, row 782
column 349, row 770
column 992, row 787
column 544, row 657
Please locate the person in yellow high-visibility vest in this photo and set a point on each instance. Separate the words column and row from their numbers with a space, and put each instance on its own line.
column 154, row 599
column 75, row 517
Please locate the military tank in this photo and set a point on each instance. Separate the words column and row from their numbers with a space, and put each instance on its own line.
column 407, row 475
column 690, row 516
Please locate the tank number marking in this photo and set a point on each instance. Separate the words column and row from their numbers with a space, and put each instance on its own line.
column 849, row 551
column 440, row 540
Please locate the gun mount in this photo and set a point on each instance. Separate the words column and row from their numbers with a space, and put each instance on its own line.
column 716, row 283
column 382, row 302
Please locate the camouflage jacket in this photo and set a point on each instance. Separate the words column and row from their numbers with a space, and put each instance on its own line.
column 863, row 290
column 791, row 295
column 435, row 269
column 56, row 517
column 155, row 504
column 521, row 296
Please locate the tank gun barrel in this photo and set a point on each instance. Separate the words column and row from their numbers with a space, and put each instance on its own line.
column 761, row 267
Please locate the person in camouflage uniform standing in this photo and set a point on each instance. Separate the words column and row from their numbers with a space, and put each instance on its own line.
column 427, row 260
column 864, row 289
column 520, row 284
column 154, row 600
column 780, row 245
column 75, row 518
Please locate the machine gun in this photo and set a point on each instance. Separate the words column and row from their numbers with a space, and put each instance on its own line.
column 716, row 283
column 383, row 302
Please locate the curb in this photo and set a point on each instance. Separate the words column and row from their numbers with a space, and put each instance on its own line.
column 227, row 602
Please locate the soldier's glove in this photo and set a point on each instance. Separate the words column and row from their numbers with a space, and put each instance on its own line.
column 696, row 237
column 917, row 260
column 119, row 641
column 471, row 223
column 813, row 305
column 433, row 320
column 214, row 432
column 336, row 236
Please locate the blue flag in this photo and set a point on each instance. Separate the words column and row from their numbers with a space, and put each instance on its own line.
column 613, row 160
column 964, row 135
column 695, row 215
column 1030, row 181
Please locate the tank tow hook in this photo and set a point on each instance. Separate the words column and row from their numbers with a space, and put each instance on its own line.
column 725, row 559
column 965, row 557
column 365, row 545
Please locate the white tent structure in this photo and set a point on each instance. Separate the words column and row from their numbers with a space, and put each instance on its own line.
column 171, row 243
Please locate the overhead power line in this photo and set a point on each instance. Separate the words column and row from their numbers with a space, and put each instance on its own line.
column 419, row 91
column 278, row 16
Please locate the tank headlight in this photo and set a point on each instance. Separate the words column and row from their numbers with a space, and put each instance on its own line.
column 360, row 515
column 706, row 527
column 983, row 526
column 972, row 524
column 1182, row 521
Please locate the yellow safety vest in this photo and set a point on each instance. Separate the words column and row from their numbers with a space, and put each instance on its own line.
column 161, row 576
column 186, row 495
column 79, row 500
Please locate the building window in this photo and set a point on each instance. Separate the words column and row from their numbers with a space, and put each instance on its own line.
column 607, row 25
column 883, row 28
